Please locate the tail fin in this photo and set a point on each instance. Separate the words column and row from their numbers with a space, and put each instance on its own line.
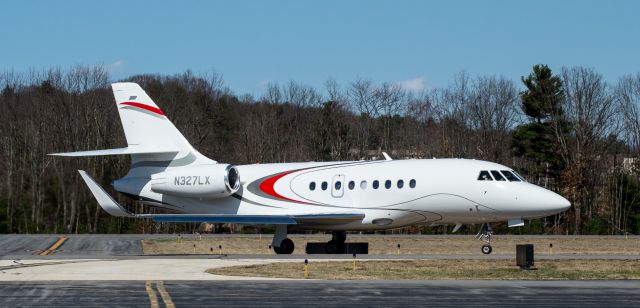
column 145, row 125
column 152, row 139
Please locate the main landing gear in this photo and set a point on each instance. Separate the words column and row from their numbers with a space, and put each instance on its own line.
column 485, row 235
column 281, row 244
column 286, row 247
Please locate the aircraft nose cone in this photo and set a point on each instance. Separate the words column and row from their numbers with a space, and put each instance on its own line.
column 554, row 203
column 542, row 202
column 562, row 203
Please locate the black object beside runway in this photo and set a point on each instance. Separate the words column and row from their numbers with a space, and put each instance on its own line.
column 347, row 248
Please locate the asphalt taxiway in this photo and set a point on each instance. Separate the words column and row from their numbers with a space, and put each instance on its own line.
column 322, row 293
column 111, row 270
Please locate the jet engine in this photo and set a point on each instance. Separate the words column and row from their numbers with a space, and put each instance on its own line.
column 204, row 181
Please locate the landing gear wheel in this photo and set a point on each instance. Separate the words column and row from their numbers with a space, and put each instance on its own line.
column 333, row 247
column 286, row 247
column 486, row 249
column 485, row 235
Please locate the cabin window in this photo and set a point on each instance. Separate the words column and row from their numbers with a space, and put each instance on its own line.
column 352, row 185
column 497, row 175
column 337, row 185
column 412, row 183
column 387, row 184
column 324, row 185
column 510, row 176
column 363, row 185
column 376, row 184
column 312, row 186
column 484, row 176
column 400, row 183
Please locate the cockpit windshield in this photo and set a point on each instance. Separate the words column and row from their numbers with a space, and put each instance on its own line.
column 484, row 176
column 510, row 176
column 502, row 175
column 497, row 175
column 519, row 176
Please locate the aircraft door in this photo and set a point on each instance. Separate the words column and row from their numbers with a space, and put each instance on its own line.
column 337, row 186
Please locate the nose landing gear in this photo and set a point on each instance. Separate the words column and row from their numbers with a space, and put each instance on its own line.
column 485, row 235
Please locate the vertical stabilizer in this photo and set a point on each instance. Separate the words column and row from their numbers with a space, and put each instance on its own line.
column 145, row 125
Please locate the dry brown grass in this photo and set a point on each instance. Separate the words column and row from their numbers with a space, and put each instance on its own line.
column 442, row 269
column 387, row 244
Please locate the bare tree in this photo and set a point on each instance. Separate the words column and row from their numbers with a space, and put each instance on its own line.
column 627, row 92
column 362, row 95
column 335, row 92
column 589, row 117
column 273, row 94
column 391, row 99
column 493, row 113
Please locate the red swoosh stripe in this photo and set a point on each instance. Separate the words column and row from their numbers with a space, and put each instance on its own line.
column 267, row 187
column 145, row 107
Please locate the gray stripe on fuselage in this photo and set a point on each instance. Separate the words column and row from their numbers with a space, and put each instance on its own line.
column 241, row 198
column 180, row 162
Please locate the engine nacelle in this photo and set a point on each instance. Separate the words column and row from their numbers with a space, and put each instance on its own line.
column 205, row 181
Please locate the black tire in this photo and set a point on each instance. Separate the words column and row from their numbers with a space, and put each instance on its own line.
column 286, row 247
column 333, row 247
column 486, row 249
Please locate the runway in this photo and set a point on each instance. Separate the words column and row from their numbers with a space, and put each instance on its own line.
column 323, row 293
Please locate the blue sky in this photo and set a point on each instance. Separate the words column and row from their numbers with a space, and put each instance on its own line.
column 417, row 43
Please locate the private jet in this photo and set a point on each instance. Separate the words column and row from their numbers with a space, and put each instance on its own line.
column 167, row 172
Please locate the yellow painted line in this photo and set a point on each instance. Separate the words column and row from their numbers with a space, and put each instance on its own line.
column 165, row 295
column 53, row 247
column 153, row 297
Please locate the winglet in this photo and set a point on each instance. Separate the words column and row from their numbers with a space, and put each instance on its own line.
column 386, row 156
column 106, row 202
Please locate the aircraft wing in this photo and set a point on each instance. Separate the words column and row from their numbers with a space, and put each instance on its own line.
column 115, row 209
column 329, row 218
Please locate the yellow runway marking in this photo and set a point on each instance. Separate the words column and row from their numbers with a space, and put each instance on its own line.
column 165, row 295
column 53, row 247
column 153, row 297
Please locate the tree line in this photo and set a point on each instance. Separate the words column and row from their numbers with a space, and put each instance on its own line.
column 570, row 131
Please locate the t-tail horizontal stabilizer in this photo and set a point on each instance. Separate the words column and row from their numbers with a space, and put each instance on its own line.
column 120, row 151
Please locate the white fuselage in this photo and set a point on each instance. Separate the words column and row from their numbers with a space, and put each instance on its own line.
column 446, row 191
